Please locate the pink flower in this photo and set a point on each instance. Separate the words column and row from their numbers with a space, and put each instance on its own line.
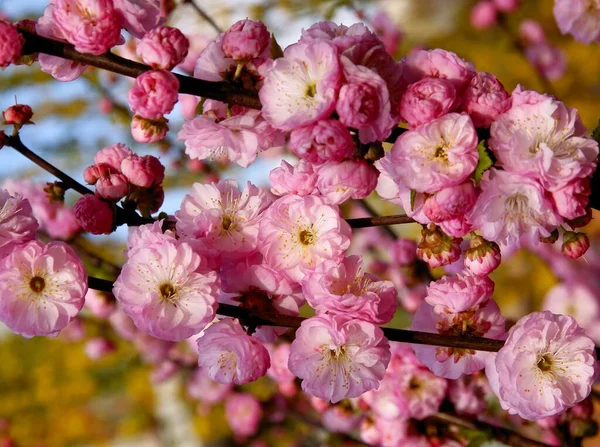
column 245, row 40
column 100, row 304
column 297, row 233
column 94, row 214
column 575, row 244
column 449, row 203
column 548, row 59
column 546, row 366
column 338, row 358
column 163, row 48
column 342, row 36
column 439, row 64
column 222, row 220
column 344, row 289
column 91, row 25
column 438, row 154
column 532, row 31
column 112, row 156
column 148, row 131
column 485, row 99
column 572, row 200
column 581, row 18
column 469, row 394
column 460, row 293
column 575, row 300
column 301, row 87
column 145, row 172
column 325, row 140
column 427, row 100
column 338, row 182
column 167, row 291
column 138, row 16
column 112, row 187
column 42, row 288
column 154, row 94
column 97, row 348
column 202, row 387
column 230, row 355
column 364, row 103
column 11, row 44
column 484, row 14
column 482, row 257
column 17, row 224
column 388, row 31
column 543, row 140
column 511, row 206
column 507, row 5
column 243, row 413
column 403, row 251
column 279, row 370
column 287, row 179
column 149, row 235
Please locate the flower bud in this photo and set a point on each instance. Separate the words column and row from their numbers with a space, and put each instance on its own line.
column 19, row 115
column 94, row 214
column 163, row 48
column 11, row 44
column 484, row 14
column 143, row 171
column 148, row 131
column 482, row 257
column 437, row 248
column 575, row 244
column 245, row 40
column 95, row 172
column 112, row 187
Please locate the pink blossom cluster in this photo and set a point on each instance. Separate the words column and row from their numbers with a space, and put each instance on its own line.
column 548, row 59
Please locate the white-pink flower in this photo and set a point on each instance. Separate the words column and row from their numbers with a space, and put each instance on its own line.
column 345, row 289
column 338, row 182
column 243, row 413
column 547, row 365
column 301, row 87
column 138, row 16
column 440, row 153
column 453, row 294
column 581, row 18
column 17, row 224
column 42, row 288
column 439, row 64
column 297, row 233
column 338, row 358
column 287, row 179
column 167, row 291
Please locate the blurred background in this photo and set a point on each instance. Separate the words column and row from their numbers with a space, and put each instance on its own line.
column 74, row 391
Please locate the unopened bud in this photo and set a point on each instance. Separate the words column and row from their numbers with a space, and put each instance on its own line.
column 437, row 248
column 575, row 244
column 482, row 257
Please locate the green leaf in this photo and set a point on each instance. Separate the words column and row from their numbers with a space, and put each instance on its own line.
column 485, row 161
column 413, row 194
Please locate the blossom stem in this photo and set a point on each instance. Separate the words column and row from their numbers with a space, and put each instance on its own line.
column 377, row 221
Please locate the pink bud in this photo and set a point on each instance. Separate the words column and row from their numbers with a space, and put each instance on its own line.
column 507, row 5
column 98, row 348
column 148, row 131
column 575, row 244
column 18, row 114
column 532, row 31
column 436, row 248
column 143, row 171
column 113, row 156
column 11, row 44
column 94, row 172
column 94, row 214
column 326, row 140
column 483, row 15
column 427, row 100
column 245, row 40
column 112, row 187
column 163, row 48
column 451, row 202
column 482, row 257
column 154, row 94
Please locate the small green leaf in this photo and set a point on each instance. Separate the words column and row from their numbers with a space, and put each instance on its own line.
column 485, row 161
column 596, row 133
column 413, row 194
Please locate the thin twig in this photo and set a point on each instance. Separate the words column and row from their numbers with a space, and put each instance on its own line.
column 204, row 15
column 376, row 221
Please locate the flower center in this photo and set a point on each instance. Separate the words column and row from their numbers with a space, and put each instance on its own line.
column 37, row 284
column 227, row 221
column 311, row 90
column 307, row 237
column 440, row 153
column 167, row 292
column 545, row 363
column 517, row 204
column 414, row 384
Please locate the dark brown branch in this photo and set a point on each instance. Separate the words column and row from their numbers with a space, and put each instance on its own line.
column 377, row 221
column 204, row 15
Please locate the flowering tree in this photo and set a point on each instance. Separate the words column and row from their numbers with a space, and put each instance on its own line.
column 482, row 170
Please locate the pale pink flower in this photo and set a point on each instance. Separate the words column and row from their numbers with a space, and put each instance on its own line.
column 100, row 304
column 427, row 100
column 112, row 156
column 485, row 98
column 97, row 348
column 212, row 65
column 438, row 154
column 222, row 220
column 469, row 394
column 345, row 289
column 154, row 94
column 149, row 235
column 454, row 294
column 245, row 40
column 403, row 251
column 42, row 288
column 230, row 355
column 91, row 26
column 580, row 18
column 287, row 179
column 544, row 140
column 340, row 419
column 548, row 59
column 138, row 16
column 532, row 31
column 94, row 214
column 451, row 202
column 575, row 300
column 456, row 227
column 11, row 44
column 163, row 48
column 546, row 366
column 484, row 14
column 301, row 87
column 388, row 31
column 572, row 200
column 279, row 370
column 148, row 131
column 167, row 291
column 325, row 140
column 342, row 36
column 364, row 103
column 349, row 179
column 507, row 5
column 439, row 64
column 338, row 358
column 145, row 172
column 17, row 224
column 297, row 233
column 202, row 387
column 511, row 206
column 243, row 413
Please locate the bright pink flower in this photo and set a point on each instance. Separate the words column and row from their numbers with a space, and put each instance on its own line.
column 112, row 187
column 163, row 48
column 154, row 94
column 245, row 40
column 243, row 413
column 548, row 59
column 575, row 244
column 581, row 18
column 338, row 358
column 148, row 131
column 511, row 206
column 469, row 394
column 532, row 31
column 91, row 25
column 100, row 304
column 11, row 44
column 301, row 87
column 349, row 179
column 42, row 288
column 484, row 14
column 167, row 291
column 345, row 289
column 297, row 233
column 94, row 214
column 546, row 366
column 482, row 257
column 427, row 100
column 544, row 140
column 439, row 64
column 287, row 179
column 113, row 156
column 97, row 348
column 364, row 103
column 17, row 224
column 572, row 200
column 230, row 355
column 451, row 202
column 138, row 16
column 485, row 98
column 222, row 220
column 145, row 172
column 325, row 140
column 342, row 36
column 438, row 154
column 460, row 293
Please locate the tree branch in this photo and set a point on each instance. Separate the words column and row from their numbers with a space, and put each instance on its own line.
column 376, row 221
